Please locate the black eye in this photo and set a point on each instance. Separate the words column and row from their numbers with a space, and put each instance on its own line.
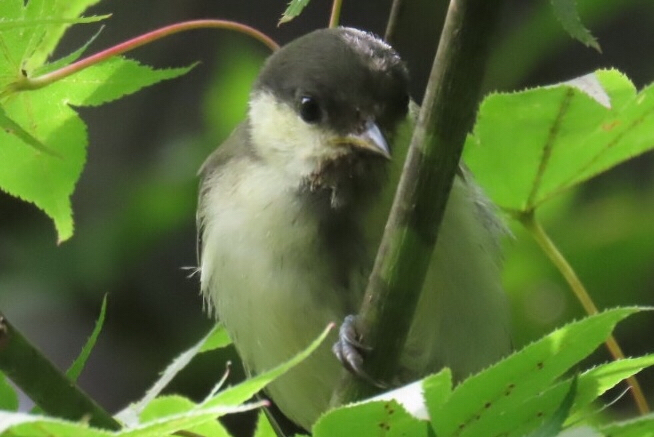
column 310, row 109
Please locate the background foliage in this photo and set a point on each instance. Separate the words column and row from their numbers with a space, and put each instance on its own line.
column 134, row 205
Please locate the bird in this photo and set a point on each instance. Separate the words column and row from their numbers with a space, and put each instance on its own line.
column 292, row 207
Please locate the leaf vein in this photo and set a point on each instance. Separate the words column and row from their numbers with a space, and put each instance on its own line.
column 575, row 179
column 549, row 145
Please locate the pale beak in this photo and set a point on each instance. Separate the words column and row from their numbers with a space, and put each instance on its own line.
column 370, row 139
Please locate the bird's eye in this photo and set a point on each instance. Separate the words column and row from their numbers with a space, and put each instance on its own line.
column 310, row 109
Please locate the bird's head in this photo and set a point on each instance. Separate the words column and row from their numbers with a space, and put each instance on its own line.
column 325, row 106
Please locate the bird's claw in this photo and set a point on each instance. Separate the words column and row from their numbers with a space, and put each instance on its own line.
column 350, row 350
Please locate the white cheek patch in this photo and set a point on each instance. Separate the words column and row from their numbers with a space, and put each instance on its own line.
column 282, row 137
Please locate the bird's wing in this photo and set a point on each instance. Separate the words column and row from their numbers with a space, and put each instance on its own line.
column 228, row 150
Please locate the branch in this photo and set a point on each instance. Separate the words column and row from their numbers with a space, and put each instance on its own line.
column 446, row 116
column 335, row 16
column 44, row 383
column 393, row 18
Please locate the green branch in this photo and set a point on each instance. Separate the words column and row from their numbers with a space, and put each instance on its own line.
column 335, row 15
column 49, row 388
column 393, row 18
column 446, row 116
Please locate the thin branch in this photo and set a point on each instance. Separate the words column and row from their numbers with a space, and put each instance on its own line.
column 335, row 16
column 534, row 227
column 49, row 388
column 446, row 116
column 393, row 18
column 32, row 83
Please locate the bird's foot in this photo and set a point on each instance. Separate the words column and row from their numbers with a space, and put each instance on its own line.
column 350, row 350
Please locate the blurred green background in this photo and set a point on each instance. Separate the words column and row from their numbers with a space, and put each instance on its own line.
column 135, row 203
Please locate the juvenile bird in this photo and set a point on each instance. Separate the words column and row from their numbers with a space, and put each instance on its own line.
column 291, row 211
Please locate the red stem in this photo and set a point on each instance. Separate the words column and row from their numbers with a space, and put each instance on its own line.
column 27, row 83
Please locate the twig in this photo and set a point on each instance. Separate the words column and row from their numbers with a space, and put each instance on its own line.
column 445, row 118
column 393, row 18
column 335, row 16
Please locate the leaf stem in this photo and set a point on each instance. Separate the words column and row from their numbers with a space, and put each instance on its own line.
column 33, row 83
column 49, row 388
column 446, row 116
column 534, row 227
column 335, row 16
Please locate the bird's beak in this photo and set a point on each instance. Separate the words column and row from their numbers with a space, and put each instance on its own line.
column 370, row 139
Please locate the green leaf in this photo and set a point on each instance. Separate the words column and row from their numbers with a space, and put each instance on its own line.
column 567, row 14
column 28, row 425
column 227, row 401
column 37, row 177
column 8, row 396
column 553, row 425
column 378, row 418
column 165, row 406
column 591, row 384
column 247, row 389
column 264, row 428
column 640, row 427
column 43, row 143
column 195, row 418
column 108, row 81
column 438, row 389
column 45, row 37
column 30, row 32
column 68, row 59
column 581, row 431
column 529, row 146
column 596, row 381
column 216, row 338
column 12, row 128
column 479, row 405
column 17, row 24
column 294, row 9
column 78, row 365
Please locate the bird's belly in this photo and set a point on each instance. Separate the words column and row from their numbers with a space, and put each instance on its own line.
column 274, row 292
column 273, row 310
column 271, row 317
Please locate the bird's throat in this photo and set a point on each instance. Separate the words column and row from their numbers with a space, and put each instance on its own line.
column 346, row 182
